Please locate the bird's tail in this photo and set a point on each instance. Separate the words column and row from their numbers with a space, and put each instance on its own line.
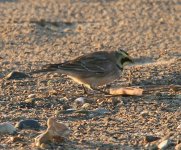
column 46, row 68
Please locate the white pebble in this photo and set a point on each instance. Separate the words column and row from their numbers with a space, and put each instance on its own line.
column 144, row 113
column 164, row 144
column 179, row 127
column 31, row 96
column 71, row 109
column 80, row 100
column 7, row 127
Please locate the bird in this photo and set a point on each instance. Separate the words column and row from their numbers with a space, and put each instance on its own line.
column 93, row 69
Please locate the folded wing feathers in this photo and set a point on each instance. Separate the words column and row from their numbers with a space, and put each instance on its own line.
column 91, row 64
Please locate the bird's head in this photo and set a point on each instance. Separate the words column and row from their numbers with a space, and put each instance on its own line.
column 123, row 58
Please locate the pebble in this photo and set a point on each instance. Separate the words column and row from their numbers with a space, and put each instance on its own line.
column 164, row 144
column 151, row 146
column 179, row 127
column 144, row 113
column 150, row 138
column 28, row 124
column 31, row 96
column 56, row 132
column 3, row 146
column 80, row 101
column 16, row 75
column 178, row 147
column 70, row 110
column 7, row 128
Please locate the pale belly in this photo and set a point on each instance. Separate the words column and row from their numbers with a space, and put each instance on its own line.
column 80, row 81
column 95, row 82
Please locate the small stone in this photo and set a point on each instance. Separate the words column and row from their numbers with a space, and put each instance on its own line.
column 7, row 128
column 57, row 128
column 28, row 124
column 70, row 110
column 144, row 113
column 86, row 106
column 80, row 101
column 43, row 138
column 56, row 132
column 150, row 138
column 3, row 146
column 151, row 146
column 164, row 144
column 178, row 147
column 16, row 76
column 179, row 127
column 91, row 115
column 31, row 96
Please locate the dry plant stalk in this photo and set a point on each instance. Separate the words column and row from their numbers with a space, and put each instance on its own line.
column 125, row 91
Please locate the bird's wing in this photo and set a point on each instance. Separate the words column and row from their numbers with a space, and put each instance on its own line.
column 91, row 64
column 94, row 64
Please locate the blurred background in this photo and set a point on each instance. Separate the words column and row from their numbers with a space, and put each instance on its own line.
column 58, row 30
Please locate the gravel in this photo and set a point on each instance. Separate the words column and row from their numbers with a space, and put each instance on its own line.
column 35, row 33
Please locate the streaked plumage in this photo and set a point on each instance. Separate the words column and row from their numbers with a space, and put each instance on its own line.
column 93, row 69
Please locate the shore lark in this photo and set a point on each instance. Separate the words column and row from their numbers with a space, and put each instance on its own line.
column 93, row 69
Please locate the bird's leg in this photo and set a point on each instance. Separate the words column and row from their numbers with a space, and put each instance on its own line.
column 101, row 91
column 129, row 78
column 85, row 91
